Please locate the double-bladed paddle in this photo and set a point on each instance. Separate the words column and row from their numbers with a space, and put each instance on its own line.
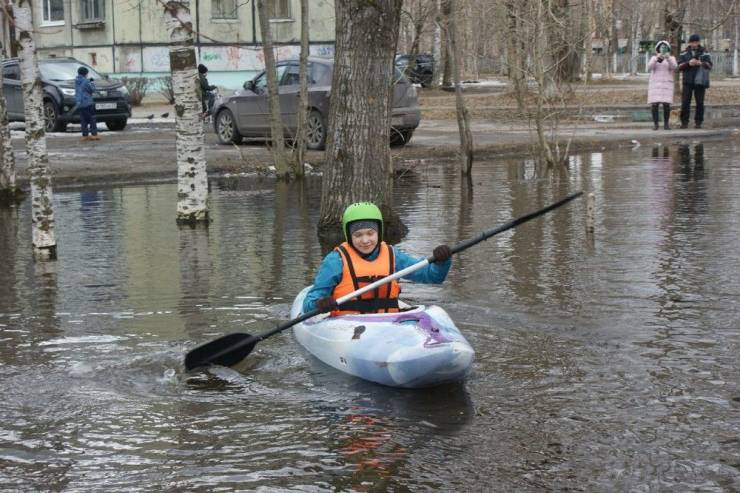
column 231, row 349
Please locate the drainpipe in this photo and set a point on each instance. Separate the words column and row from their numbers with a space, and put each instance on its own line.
column 141, row 43
column 71, row 28
column 197, row 26
column 113, row 22
column 254, row 23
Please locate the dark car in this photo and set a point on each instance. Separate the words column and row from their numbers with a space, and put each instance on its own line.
column 58, row 78
column 246, row 113
column 422, row 72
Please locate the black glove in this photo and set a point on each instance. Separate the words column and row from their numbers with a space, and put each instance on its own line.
column 326, row 304
column 442, row 253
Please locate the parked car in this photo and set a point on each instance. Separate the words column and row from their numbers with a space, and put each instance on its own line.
column 58, row 80
column 246, row 113
column 420, row 73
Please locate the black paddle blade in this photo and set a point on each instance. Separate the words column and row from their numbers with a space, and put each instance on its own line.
column 225, row 351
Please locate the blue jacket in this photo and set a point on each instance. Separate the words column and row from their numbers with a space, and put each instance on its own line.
column 330, row 273
column 84, row 90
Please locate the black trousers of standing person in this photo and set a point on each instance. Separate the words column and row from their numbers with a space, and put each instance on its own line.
column 698, row 92
column 666, row 114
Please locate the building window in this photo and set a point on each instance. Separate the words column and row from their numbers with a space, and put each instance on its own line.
column 52, row 11
column 280, row 9
column 223, row 9
column 92, row 10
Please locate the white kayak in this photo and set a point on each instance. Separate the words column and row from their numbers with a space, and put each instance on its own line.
column 417, row 347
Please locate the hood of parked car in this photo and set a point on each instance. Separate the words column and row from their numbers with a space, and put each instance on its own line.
column 100, row 84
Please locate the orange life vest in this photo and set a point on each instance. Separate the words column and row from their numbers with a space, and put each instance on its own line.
column 358, row 272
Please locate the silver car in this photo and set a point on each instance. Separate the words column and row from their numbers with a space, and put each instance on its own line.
column 246, row 113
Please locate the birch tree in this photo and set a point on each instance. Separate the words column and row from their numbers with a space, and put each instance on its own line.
column 42, row 211
column 358, row 160
column 192, row 178
column 436, row 44
column 273, row 96
column 299, row 148
column 8, row 191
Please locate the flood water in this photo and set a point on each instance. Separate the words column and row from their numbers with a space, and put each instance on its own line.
column 603, row 363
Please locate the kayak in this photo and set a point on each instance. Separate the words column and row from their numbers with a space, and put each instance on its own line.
column 416, row 347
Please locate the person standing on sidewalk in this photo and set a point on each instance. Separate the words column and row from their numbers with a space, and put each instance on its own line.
column 84, row 90
column 695, row 63
column 661, row 66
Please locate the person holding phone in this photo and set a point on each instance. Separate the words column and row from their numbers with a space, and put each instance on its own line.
column 695, row 63
column 661, row 66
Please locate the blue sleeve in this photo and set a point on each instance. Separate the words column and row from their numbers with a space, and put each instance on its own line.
column 433, row 273
column 327, row 278
column 90, row 87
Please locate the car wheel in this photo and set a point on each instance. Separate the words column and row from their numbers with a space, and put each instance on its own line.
column 51, row 115
column 401, row 137
column 226, row 130
column 116, row 125
column 315, row 131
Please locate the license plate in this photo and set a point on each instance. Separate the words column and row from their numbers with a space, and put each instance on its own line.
column 106, row 106
column 396, row 121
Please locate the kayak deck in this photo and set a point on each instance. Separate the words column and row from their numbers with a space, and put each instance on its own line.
column 417, row 347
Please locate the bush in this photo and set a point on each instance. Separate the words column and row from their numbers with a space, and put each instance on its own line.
column 137, row 88
column 166, row 89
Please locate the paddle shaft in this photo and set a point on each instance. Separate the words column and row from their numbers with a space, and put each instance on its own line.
column 464, row 245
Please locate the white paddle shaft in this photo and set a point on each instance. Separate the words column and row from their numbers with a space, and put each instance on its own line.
column 396, row 275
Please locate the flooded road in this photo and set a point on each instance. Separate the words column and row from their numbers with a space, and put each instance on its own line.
column 603, row 363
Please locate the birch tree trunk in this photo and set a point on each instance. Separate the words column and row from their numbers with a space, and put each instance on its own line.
column 437, row 46
column 587, row 20
column 42, row 212
column 192, row 178
column 8, row 191
column 358, row 160
column 465, row 154
column 636, row 41
column 299, row 148
column 277, row 149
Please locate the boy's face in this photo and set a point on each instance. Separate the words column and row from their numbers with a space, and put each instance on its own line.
column 365, row 240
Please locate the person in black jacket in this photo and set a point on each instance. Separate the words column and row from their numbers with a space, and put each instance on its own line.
column 695, row 63
column 207, row 97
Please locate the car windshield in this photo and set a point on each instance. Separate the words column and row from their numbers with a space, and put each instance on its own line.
column 64, row 70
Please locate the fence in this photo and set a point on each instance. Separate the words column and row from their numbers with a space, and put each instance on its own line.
column 602, row 64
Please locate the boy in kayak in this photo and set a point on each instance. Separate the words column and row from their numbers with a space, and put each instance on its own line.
column 364, row 258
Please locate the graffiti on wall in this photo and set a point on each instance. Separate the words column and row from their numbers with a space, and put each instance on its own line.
column 156, row 59
column 217, row 58
column 322, row 50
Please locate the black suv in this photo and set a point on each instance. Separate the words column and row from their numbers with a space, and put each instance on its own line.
column 58, row 78
column 420, row 73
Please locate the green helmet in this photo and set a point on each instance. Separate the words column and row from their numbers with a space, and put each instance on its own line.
column 361, row 211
